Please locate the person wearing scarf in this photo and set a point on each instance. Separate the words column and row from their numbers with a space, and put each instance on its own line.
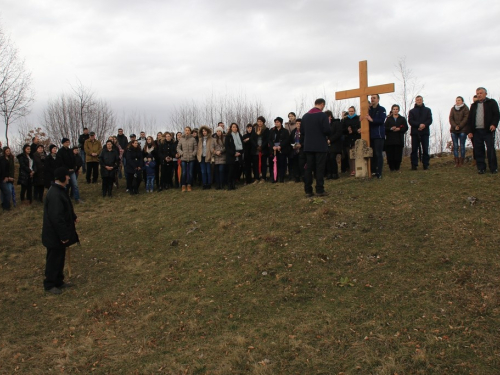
column 234, row 151
column 458, row 128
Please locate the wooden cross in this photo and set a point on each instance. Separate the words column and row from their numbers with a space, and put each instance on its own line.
column 362, row 93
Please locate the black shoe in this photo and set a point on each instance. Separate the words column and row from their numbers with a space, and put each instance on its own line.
column 54, row 290
column 413, row 167
column 309, row 195
column 323, row 194
column 335, row 177
column 426, row 168
column 494, row 172
column 66, row 285
column 480, row 171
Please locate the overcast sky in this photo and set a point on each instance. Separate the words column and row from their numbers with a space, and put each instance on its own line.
column 147, row 56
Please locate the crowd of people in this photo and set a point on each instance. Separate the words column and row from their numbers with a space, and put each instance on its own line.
column 257, row 154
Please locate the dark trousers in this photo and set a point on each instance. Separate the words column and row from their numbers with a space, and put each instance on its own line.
column 27, row 192
column 220, row 175
column 394, row 156
column 263, row 168
column 377, row 163
column 38, row 192
column 332, row 168
column 54, row 267
column 281, row 167
column 416, row 141
column 233, row 173
column 157, row 173
column 176, row 174
column 92, row 170
column 297, row 164
column 166, row 175
column 482, row 137
column 248, row 167
column 315, row 161
column 107, row 185
column 134, row 183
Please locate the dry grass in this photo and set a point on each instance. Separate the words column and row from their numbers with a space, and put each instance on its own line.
column 254, row 283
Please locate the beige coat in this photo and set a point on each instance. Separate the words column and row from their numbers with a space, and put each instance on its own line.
column 187, row 148
column 216, row 146
column 459, row 118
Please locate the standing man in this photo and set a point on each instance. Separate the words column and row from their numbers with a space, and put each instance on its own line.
column 376, row 118
column 142, row 140
column 93, row 149
column 123, row 142
column 483, row 121
column 81, row 144
column 420, row 119
column 66, row 158
column 58, row 231
column 315, row 128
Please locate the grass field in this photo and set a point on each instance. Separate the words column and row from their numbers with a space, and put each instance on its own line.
column 392, row 276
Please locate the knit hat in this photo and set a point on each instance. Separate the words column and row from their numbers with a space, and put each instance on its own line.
column 64, row 140
column 219, row 128
column 51, row 147
column 61, row 173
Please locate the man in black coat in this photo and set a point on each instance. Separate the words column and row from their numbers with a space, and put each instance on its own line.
column 420, row 119
column 81, row 143
column 315, row 129
column 66, row 158
column 58, row 231
column 279, row 144
column 483, row 121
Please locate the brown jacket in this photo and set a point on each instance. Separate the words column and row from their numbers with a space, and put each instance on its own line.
column 219, row 146
column 187, row 148
column 90, row 148
column 459, row 118
column 208, row 151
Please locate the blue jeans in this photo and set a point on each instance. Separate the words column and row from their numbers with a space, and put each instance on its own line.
column 6, row 195
column 73, row 183
column 378, row 155
column 456, row 137
column 187, row 172
column 82, row 155
column 220, row 174
column 205, row 172
column 150, row 182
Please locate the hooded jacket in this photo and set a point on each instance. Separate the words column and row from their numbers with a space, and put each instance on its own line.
column 208, row 150
column 219, row 145
column 459, row 118
column 187, row 148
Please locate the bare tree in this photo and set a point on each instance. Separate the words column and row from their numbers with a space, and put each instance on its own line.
column 16, row 93
column 409, row 87
column 441, row 135
column 66, row 116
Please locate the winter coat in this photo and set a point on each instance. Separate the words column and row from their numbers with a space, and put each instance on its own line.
column 208, row 155
column 65, row 158
column 459, row 118
column 290, row 126
column 282, row 137
column 294, row 141
column 50, row 167
column 187, row 148
column 166, row 149
column 109, row 159
column 149, row 167
column 335, row 138
column 491, row 114
column 58, row 219
column 134, row 159
column 354, row 123
column 219, row 145
column 39, row 169
column 24, row 169
column 231, row 149
column 377, row 127
column 90, row 148
column 420, row 115
column 395, row 138
column 81, row 140
column 78, row 162
column 122, row 141
column 315, row 127
column 254, row 139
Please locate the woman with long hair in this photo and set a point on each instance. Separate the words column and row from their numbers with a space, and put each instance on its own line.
column 204, row 155
column 234, row 152
column 186, row 150
column 260, row 150
column 458, row 128
column 219, row 153
column 395, row 129
column 109, row 159
column 50, row 166
column 26, row 172
column 39, row 173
